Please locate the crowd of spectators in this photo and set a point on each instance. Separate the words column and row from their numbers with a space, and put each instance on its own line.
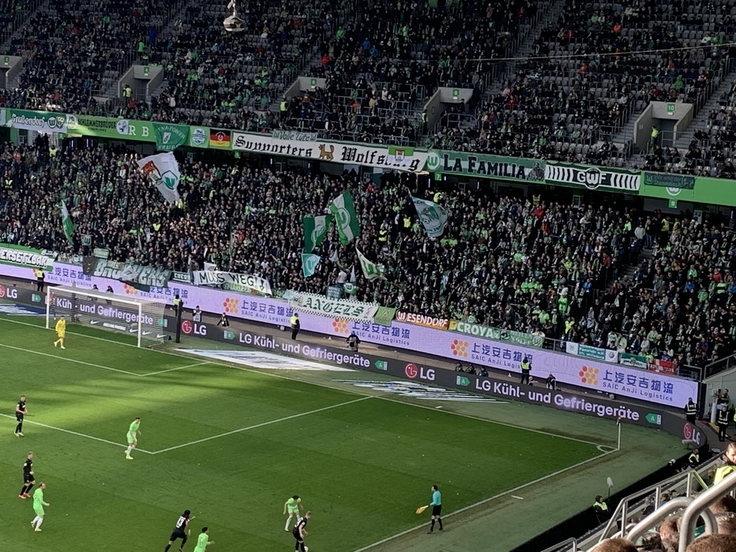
column 72, row 50
column 589, row 71
column 573, row 273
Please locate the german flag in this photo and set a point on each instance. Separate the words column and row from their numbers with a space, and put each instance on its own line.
column 220, row 138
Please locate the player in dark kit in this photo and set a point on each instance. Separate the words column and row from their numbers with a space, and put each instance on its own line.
column 28, row 479
column 181, row 530
column 300, row 531
column 20, row 412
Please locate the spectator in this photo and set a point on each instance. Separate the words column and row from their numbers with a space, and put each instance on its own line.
column 713, row 543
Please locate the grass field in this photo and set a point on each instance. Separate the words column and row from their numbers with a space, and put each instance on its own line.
column 232, row 444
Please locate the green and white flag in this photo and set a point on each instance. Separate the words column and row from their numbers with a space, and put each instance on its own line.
column 310, row 262
column 350, row 287
column 315, row 231
column 348, row 226
column 371, row 271
column 67, row 223
column 433, row 216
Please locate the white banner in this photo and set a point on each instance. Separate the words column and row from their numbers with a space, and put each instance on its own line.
column 388, row 157
column 219, row 278
column 335, row 308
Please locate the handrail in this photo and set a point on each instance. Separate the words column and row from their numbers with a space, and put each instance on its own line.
column 559, row 545
column 653, row 519
column 699, row 507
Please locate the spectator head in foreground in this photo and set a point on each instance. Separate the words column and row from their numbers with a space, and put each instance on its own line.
column 669, row 532
column 713, row 543
column 615, row 545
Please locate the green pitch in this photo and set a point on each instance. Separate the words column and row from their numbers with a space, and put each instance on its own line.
column 231, row 445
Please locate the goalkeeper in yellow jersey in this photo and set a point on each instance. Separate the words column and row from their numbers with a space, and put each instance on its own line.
column 60, row 332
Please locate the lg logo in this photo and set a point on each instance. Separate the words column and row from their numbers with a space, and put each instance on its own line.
column 413, row 371
column 186, row 327
column 692, row 433
column 10, row 293
column 189, row 327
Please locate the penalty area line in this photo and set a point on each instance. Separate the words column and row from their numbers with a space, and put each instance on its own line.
column 263, row 424
column 77, row 434
column 174, row 369
column 59, row 357
column 485, row 501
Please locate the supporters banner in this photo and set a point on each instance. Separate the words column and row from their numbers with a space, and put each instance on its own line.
column 26, row 256
column 40, row 121
column 335, row 308
column 199, row 137
column 218, row 278
column 714, row 191
column 133, row 273
column 423, row 320
column 170, row 136
column 498, row 334
column 666, row 180
column 592, row 178
column 110, row 127
column 488, row 166
column 387, row 157
column 587, row 351
column 600, row 377
column 384, row 316
column 163, row 170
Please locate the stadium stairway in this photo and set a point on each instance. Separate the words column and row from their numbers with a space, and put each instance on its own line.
column 700, row 121
column 550, row 13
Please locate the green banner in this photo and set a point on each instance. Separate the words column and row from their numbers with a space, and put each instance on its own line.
column 488, row 166
column 40, row 121
column 717, row 191
column 384, row 316
column 592, row 352
column 170, row 136
column 677, row 181
column 109, row 127
column 26, row 256
column 709, row 191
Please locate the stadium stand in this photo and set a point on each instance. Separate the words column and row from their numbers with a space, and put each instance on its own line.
column 592, row 274
column 583, row 71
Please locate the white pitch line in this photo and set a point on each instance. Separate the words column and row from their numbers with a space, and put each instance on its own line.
column 182, row 354
column 484, row 501
column 242, row 429
column 69, row 359
column 173, row 369
column 93, row 365
column 77, row 434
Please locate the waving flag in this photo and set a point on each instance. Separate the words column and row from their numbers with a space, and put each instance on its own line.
column 348, row 226
column 163, row 170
